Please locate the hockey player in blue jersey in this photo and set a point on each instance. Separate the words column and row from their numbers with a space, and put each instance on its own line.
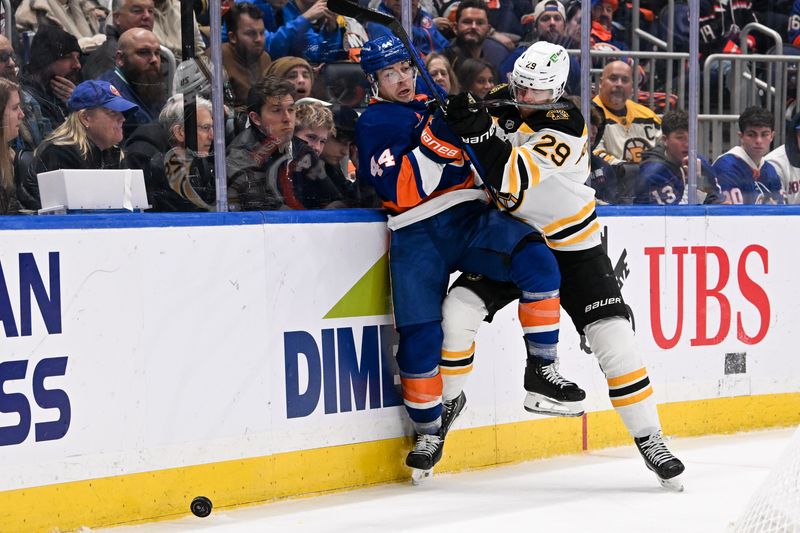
column 743, row 173
column 664, row 168
column 440, row 222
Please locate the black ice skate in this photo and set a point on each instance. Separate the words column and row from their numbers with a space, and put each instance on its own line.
column 660, row 460
column 548, row 392
column 423, row 457
column 450, row 411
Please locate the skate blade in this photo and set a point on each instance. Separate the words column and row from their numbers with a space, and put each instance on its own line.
column 674, row 484
column 418, row 476
column 542, row 405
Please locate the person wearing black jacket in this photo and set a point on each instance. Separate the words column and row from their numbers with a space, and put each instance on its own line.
column 88, row 138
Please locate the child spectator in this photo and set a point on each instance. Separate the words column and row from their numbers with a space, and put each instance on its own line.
column 309, row 187
column 744, row 175
column 664, row 168
column 297, row 71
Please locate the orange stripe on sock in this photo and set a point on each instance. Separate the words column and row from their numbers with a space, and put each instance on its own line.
column 630, row 377
column 422, row 390
column 630, row 400
column 541, row 313
column 455, row 355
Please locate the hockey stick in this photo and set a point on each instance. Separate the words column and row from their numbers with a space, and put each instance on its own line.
column 364, row 15
column 521, row 105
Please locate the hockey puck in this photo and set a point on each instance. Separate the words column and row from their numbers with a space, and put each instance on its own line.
column 201, row 506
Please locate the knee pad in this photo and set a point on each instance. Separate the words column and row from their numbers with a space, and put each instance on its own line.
column 462, row 314
column 613, row 343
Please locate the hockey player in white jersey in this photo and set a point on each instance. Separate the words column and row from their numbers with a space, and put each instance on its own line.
column 535, row 162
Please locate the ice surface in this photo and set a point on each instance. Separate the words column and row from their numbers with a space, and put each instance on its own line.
column 604, row 491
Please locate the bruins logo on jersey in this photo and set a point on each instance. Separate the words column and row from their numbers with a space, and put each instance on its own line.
column 557, row 114
column 507, row 201
column 633, row 149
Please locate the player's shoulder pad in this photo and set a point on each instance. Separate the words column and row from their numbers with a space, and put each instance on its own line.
column 568, row 120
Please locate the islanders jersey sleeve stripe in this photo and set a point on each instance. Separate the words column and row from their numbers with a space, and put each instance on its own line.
column 437, row 149
column 408, row 184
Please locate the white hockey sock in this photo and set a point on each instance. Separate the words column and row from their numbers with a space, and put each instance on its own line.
column 630, row 391
column 462, row 313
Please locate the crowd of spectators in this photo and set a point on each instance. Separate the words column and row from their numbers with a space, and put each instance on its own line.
column 84, row 85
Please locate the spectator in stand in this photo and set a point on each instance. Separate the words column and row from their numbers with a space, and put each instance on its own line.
column 243, row 56
column 476, row 76
column 340, row 156
column 167, row 28
column 472, row 36
column 603, row 178
column 720, row 23
column 573, row 26
column 125, row 14
column 786, row 161
column 52, row 73
column 631, row 128
column 296, row 71
column 603, row 31
column 138, row 76
column 88, row 139
column 189, row 174
column 744, row 175
column 549, row 23
column 425, row 36
column 257, row 162
column 31, row 129
column 317, row 29
column 10, row 103
column 664, row 168
column 79, row 18
column 309, row 186
column 793, row 33
column 442, row 73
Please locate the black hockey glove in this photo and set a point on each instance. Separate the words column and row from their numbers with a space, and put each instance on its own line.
column 472, row 125
column 508, row 116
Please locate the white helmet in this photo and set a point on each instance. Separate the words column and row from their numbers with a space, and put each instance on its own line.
column 542, row 66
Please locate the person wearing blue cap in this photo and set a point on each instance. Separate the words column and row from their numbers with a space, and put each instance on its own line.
column 89, row 137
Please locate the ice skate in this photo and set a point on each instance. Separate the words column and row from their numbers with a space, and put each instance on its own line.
column 549, row 393
column 423, row 457
column 451, row 409
column 660, row 460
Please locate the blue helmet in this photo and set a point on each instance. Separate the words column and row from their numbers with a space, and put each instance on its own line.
column 382, row 52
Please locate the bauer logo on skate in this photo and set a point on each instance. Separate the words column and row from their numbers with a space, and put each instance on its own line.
column 330, row 370
column 27, row 375
column 715, row 289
